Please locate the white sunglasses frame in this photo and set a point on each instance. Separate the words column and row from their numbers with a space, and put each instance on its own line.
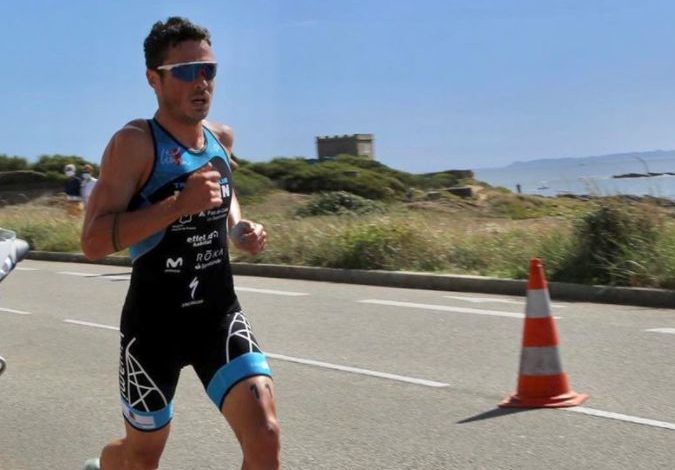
column 173, row 66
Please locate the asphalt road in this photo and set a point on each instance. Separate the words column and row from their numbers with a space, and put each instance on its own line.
column 409, row 379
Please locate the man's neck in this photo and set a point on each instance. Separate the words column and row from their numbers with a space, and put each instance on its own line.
column 189, row 135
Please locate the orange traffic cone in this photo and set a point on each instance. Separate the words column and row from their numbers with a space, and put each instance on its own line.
column 541, row 381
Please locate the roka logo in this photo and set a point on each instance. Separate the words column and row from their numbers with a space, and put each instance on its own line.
column 208, row 255
column 209, row 258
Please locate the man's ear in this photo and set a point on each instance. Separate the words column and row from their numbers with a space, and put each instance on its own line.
column 153, row 78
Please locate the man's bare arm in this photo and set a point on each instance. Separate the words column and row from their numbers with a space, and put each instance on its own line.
column 125, row 166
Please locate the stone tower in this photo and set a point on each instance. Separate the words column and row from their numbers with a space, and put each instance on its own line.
column 360, row 145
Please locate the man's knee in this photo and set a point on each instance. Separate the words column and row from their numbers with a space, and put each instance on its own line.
column 262, row 444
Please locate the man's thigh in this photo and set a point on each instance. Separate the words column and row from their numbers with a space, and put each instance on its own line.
column 226, row 353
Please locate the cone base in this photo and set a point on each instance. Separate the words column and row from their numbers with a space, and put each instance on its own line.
column 568, row 399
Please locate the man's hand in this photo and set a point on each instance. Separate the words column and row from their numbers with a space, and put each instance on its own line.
column 201, row 191
column 249, row 237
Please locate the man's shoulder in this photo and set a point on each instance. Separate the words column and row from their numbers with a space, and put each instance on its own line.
column 131, row 145
column 223, row 132
column 133, row 136
column 135, row 129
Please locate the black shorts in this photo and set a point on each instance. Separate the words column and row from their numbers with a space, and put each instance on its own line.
column 156, row 345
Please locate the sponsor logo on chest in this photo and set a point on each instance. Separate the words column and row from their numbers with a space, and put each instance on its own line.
column 203, row 239
column 173, row 265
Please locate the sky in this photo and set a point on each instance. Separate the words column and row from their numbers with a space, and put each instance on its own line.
column 441, row 84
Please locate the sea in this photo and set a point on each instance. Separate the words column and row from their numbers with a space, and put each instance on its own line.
column 588, row 176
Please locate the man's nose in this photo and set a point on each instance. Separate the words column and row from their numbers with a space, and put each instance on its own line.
column 200, row 80
column 200, row 83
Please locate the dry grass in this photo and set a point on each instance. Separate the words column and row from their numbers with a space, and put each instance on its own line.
column 46, row 223
column 455, row 236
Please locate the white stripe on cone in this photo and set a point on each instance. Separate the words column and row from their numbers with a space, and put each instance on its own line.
column 543, row 360
column 538, row 303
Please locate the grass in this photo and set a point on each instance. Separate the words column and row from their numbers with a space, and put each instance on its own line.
column 45, row 224
column 433, row 237
column 495, row 234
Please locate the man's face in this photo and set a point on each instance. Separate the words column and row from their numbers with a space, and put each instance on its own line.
column 186, row 101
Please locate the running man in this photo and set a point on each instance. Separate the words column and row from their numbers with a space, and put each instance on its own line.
column 165, row 192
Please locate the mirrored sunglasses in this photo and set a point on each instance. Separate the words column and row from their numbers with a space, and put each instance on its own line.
column 190, row 71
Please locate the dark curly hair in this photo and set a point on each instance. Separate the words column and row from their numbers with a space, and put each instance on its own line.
column 164, row 36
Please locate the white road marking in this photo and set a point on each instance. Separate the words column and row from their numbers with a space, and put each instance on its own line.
column 95, row 325
column 442, row 308
column 270, row 291
column 112, row 277
column 355, row 370
column 10, row 310
column 116, row 277
column 621, row 417
column 281, row 357
column 26, row 269
column 670, row 331
column 428, row 383
column 481, row 300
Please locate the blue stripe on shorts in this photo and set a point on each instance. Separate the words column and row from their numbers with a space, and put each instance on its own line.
column 244, row 366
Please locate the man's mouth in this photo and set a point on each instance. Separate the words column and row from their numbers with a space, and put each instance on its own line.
column 200, row 101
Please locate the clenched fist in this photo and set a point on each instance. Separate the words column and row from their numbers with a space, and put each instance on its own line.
column 201, row 191
column 249, row 236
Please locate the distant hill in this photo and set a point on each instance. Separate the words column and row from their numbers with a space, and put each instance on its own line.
column 611, row 158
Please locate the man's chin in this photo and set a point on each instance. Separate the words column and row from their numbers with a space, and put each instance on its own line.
column 195, row 117
column 201, row 114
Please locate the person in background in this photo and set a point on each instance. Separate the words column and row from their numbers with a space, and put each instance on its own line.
column 73, row 190
column 88, row 183
column 73, row 186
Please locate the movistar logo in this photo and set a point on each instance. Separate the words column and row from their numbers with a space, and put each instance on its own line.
column 174, row 263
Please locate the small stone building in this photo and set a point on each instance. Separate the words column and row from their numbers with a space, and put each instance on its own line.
column 360, row 145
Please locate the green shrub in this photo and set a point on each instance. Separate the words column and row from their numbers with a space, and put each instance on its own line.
column 339, row 203
column 613, row 244
column 407, row 179
column 382, row 245
column 436, row 180
column 250, row 185
column 8, row 163
column 56, row 163
column 21, row 177
column 663, row 262
column 279, row 168
column 302, row 176
column 333, row 176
